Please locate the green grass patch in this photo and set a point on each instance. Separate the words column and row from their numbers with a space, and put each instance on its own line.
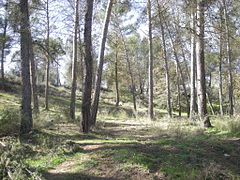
column 85, row 165
column 45, row 162
column 105, row 141
column 8, row 100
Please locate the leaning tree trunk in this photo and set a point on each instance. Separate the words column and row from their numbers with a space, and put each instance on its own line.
column 193, row 98
column 74, row 63
column 201, row 82
column 87, row 91
column 26, row 110
column 47, row 68
column 178, row 70
column 100, row 63
column 210, row 103
column 169, row 107
column 229, row 53
column 133, row 91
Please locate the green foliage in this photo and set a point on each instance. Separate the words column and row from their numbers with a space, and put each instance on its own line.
column 11, row 164
column 47, row 161
column 9, row 121
column 7, row 40
column 55, row 48
column 175, row 148
column 229, row 125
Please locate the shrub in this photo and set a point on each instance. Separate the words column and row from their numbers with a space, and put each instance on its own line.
column 232, row 125
column 11, row 164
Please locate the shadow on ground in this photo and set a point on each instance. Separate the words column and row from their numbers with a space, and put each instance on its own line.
column 74, row 176
column 191, row 157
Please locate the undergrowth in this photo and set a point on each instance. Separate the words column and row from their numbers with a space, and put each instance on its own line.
column 12, row 165
column 9, row 121
column 229, row 125
column 124, row 142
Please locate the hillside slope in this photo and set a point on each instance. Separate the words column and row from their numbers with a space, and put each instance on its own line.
column 123, row 145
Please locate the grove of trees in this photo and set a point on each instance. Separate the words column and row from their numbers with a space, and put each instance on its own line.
column 182, row 56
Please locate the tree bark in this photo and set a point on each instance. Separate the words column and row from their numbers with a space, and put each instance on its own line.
column 150, row 62
column 185, row 63
column 179, row 71
column 193, row 98
column 47, row 69
column 141, row 85
column 5, row 25
column 58, row 74
column 209, row 93
column 74, row 62
column 201, row 82
column 25, row 38
column 210, row 103
column 98, row 80
column 229, row 53
column 178, row 92
column 220, row 63
column 81, row 58
column 130, row 73
column 33, row 77
column 116, row 78
column 169, row 107
column 87, row 91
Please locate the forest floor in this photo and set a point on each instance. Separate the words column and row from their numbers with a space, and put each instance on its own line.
column 119, row 147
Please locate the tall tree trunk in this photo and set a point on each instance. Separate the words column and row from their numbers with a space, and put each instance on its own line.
column 220, row 63
column 210, row 103
column 178, row 92
column 98, row 80
column 5, row 25
column 209, row 94
column 81, row 58
column 169, row 107
column 58, row 74
column 193, row 98
column 229, row 53
column 185, row 63
column 179, row 69
column 133, row 90
column 47, row 68
column 150, row 62
column 26, row 110
column 130, row 72
column 116, row 78
column 74, row 62
column 141, row 85
column 87, row 91
column 33, row 77
column 201, row 82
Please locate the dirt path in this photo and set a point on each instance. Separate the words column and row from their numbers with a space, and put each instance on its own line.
column 97, row 163
column 135, row 150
